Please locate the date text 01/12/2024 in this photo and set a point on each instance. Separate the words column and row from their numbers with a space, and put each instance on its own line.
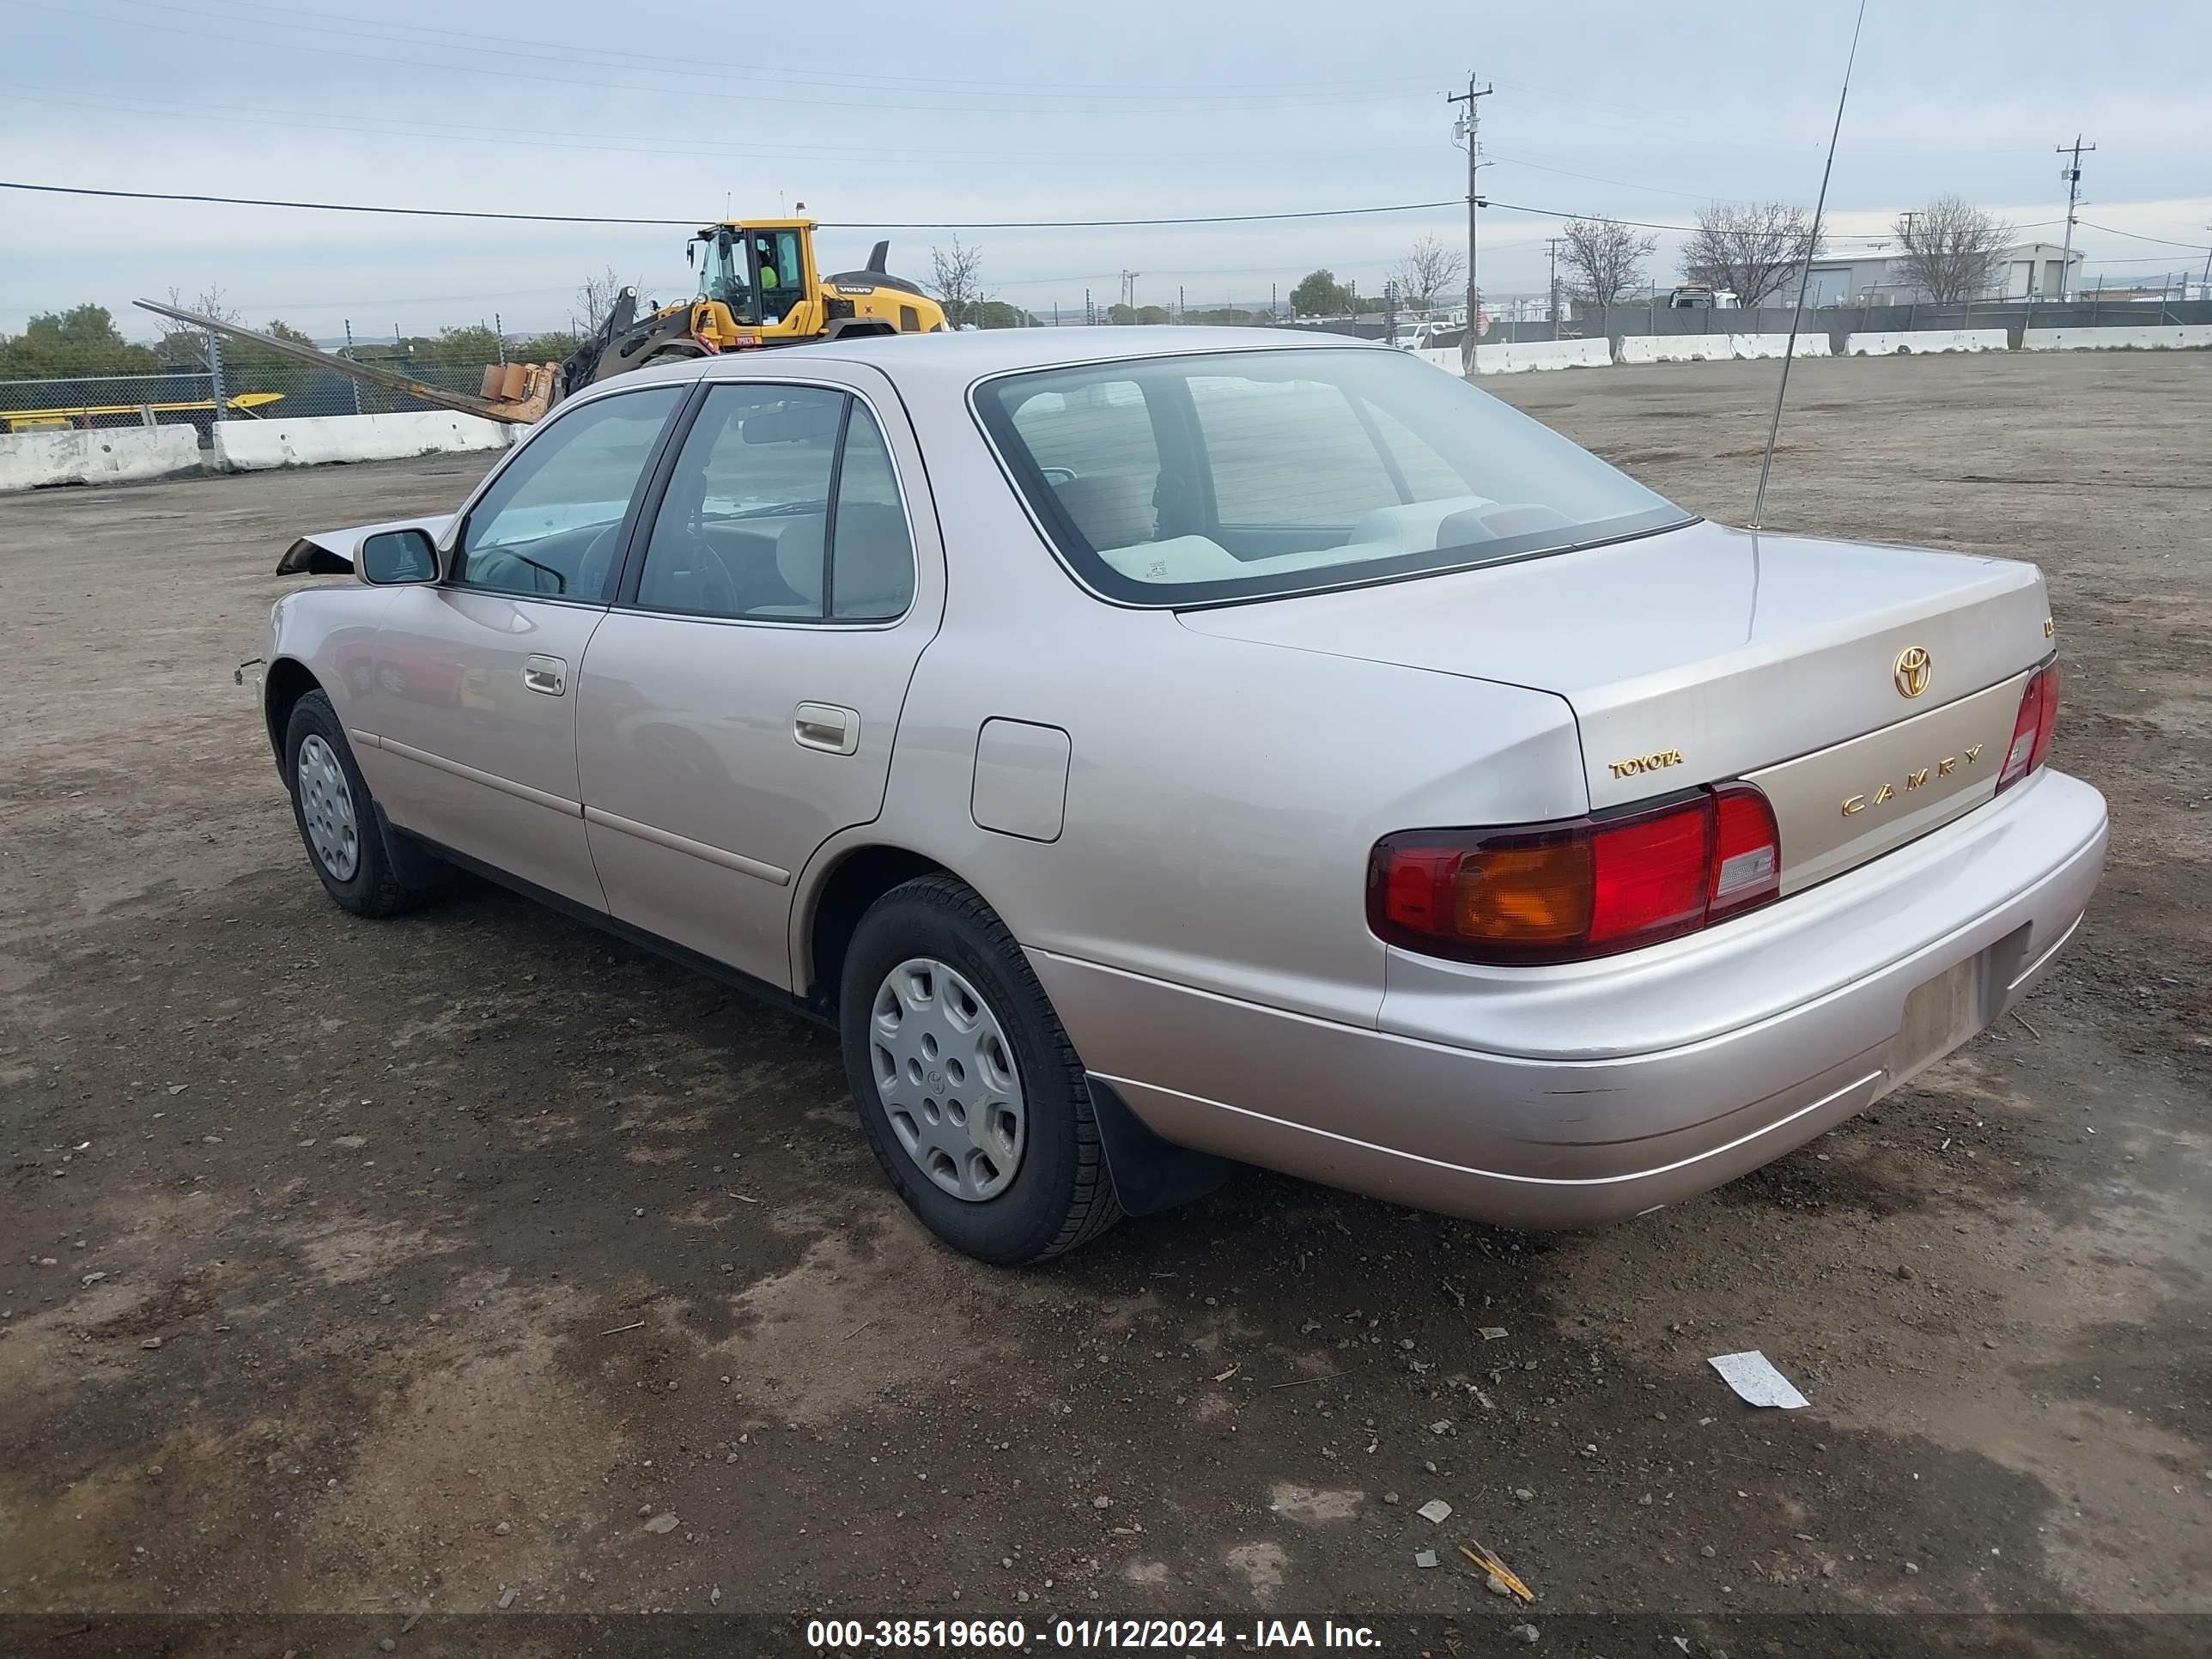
column 1175, row 1634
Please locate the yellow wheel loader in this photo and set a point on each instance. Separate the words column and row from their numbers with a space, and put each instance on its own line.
column 759, row 286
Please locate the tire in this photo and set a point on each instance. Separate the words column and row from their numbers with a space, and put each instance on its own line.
column 1057, row 1192
column 336, row 815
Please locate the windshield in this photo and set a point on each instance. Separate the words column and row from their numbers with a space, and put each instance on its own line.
column 758, row 274
column 722, row 275
column 1236, row 475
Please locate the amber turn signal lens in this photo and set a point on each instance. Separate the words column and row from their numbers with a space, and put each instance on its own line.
column 1589, row 887
column 1537, row 894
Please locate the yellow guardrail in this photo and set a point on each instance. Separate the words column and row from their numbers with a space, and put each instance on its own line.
column 35, row 420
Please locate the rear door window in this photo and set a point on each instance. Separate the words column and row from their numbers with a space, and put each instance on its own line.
column 782, row 506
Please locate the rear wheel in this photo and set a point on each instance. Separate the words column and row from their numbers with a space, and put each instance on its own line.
column 336, row 814
column 971, row 1095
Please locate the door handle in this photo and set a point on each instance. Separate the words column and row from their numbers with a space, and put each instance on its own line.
column 546, row 674
column 826, row 726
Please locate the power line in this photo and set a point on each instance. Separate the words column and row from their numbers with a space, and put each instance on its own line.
column 2193, row 247
column 613, row 143
column 507, row 46
column 1041, row 102
column 693, row 222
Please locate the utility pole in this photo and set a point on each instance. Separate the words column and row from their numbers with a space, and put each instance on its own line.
column 1468, row 131
column 1129, row 292
column 350, row 381
column 1552, row 244
column 2072, row 172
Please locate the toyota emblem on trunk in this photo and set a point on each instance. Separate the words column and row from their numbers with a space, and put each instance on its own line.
column 1911, row 673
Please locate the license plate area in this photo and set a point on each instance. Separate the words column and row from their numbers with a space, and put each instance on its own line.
column 1940, row 1014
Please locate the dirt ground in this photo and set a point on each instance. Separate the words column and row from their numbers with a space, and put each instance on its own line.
column 368, row 1268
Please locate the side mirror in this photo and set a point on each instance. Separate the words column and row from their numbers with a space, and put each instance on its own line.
column 397, row 556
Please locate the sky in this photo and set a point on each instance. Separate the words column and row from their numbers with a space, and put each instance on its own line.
column 999, row 110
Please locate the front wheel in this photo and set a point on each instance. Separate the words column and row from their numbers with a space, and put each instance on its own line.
column 971, row 1095
column 337, row 815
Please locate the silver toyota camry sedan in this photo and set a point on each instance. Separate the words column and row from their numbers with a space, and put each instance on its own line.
column 1154, row 749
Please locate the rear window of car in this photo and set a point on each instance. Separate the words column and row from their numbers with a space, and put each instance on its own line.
column 1228, row 476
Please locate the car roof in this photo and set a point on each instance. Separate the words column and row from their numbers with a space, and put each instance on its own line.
column 968, row 355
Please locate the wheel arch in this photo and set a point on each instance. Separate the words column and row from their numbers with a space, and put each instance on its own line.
column 833, row 902
column 284, row 682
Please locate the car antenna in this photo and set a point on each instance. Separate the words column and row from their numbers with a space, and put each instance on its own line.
column 1805, row 275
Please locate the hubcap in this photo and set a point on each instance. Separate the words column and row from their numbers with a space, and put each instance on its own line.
column 327, row 808
column 946, row 1076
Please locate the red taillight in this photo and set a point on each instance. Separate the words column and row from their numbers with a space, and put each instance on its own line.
column 2032, row 728
column 1589, row 888
column 2047, row 719
column 1747, row 851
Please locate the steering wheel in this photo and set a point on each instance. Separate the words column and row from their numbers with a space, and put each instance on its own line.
column 596, row 560
column 718, row 589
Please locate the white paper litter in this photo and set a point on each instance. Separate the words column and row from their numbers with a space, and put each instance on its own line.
column 1755, row 1379
column 1435, row 1510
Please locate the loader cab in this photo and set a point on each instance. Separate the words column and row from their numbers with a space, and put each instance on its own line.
column 761, row 271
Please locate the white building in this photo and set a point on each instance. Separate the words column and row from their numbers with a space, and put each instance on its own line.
column 2026, row 270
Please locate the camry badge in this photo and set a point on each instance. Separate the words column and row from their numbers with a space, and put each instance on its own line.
column 1911, row 673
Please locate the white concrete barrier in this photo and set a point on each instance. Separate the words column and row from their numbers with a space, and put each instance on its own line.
column 1676, row 348
column 30, row 461
column 1918, row 342
column 249, row 446
column 1811, row 342
column 1519, row 356
column 2171, row 338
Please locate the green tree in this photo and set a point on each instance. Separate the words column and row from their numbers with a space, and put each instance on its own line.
column 1320, row 294
column 82, row 340
column 471, row 346
column 256, row 368
column 998, row 313
column 551, row 347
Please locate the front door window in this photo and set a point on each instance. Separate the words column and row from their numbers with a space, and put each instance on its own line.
column 551, row 522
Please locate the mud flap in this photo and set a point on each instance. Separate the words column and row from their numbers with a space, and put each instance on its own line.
column 1150, row 1174
column 413, row 866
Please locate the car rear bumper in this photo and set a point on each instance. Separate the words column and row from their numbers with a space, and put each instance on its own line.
column 1565, row 1097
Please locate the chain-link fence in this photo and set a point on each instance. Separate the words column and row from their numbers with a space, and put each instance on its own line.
column 76, row 385
column 1654, row 316
column 109, row 382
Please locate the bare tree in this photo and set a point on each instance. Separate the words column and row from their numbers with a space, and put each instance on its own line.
column 1604, row 259
column 1750, row 249
column 595, row 298
column 1432, row 269
column 959, row 282
column 181, row 342
column 1952, row 251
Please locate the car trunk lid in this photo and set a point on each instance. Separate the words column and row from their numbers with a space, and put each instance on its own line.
column 1704, row 653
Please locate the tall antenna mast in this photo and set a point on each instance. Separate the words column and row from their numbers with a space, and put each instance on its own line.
column 1805, row 275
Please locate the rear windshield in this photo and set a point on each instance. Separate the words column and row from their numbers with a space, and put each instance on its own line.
column 1236, row 475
